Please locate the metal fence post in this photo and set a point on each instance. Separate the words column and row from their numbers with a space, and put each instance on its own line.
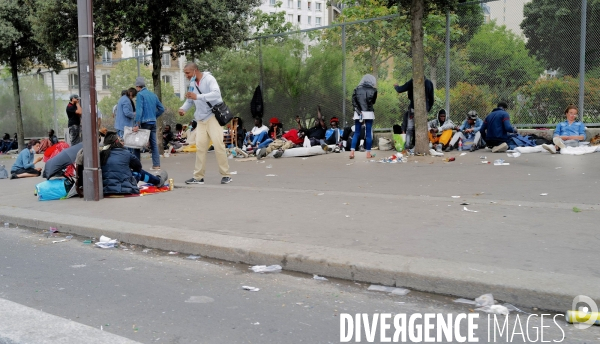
column 54, row 103
column 138, row 67
column 582, row 58
column 448, row 62
column 344, row 74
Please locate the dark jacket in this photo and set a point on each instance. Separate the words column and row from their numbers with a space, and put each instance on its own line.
column 363, row 98
column 116, row 173
column 429, row 94
column 496, row 126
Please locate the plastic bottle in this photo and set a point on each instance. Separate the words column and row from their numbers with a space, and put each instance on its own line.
column 460, row 144
column 191, row 87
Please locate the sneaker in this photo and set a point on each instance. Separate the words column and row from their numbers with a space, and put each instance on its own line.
column 155, row 168
column 560, row 143
column 13, row 176
column 278, row 154
column 549, row 148
column 448, row 149
column 433, row 152
column 473, row 148
column 226, row 180
column 503, row 147
column 194, row 181
column 261, row 153
column 326, row 147
column 163, row 176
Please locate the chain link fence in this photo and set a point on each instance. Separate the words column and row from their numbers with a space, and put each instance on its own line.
column 526, row 53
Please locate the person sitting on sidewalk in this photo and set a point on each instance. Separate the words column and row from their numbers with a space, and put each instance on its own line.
column 24, row 167
column 53, row 139
column 496, row 128
column 316, row 134
column 440, row 130
column 568, row 133
column 293, row 137
column 468, row 131
column 121, row 170
column 258, row 134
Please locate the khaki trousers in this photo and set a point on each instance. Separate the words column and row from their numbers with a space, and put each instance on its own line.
column 279, row 144
column 207, row 131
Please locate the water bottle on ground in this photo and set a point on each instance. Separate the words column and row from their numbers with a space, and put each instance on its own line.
column 460, row 144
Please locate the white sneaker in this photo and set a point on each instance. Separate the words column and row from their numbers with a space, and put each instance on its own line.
column 560, row 143
column 549, row 148
column 432, row 152
column 503, row 147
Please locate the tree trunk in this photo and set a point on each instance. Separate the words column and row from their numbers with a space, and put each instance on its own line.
column 422, row 139
column 156, row 67
column 17, row 96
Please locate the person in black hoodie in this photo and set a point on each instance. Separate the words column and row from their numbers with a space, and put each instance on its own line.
column 363, row 99
column 408, row 121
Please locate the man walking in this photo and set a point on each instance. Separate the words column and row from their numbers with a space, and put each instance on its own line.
column 148, row 109
column 205, row 90
column 74, row 114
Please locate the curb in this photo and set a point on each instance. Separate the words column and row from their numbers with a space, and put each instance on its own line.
column 546, row 291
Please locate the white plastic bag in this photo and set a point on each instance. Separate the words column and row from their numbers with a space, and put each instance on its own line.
column 385, row 144
column 135, row 139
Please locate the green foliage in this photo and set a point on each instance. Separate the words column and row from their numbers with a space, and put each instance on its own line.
column 499, row 59
column 465, row 97
column 552, row 31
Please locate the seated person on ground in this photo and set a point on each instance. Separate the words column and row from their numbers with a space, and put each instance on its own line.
column 53, row 139
column 440, row 130
column 496, row 128
column 292, row 138
column 180, row 133
column 6, row 143
column 316, row 134
column 167, row 136
column 568, row 133
column 121, row 170
column 468, row 131
column 24, row 166
column 258, row 134
column 274, row 133
column 191, row 133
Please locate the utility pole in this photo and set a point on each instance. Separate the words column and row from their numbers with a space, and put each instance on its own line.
column 92, row 180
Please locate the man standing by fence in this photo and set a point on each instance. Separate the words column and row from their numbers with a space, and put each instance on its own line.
column 408, row 121
column 148, row 109
column 74, row 114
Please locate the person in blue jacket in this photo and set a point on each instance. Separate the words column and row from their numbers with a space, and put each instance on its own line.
column 567, row 133
column 24, row 167
column 148, row 109
column 496, row 129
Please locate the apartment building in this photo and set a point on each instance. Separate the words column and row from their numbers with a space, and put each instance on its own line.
column 306, row 14
column 509, row 13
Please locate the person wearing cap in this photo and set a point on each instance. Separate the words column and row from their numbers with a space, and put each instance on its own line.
column 291, row 139
column 205, row 90
column 149, row 108
column 468, row 132
column 440, row 130
column 333, row 135
column 74, row 114
column 121, row 170
column 275, row 132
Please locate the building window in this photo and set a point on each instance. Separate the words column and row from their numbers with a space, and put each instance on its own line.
column 166, row 60
column 309, row 5
column 299, row 4
column 290, row 18
column 272, row 2
column 166, row 79
column 309, row 20
column 290, row 3
column 318, row 21
column 299, row 19
column 106, row 56
column 318, row 6
column 73, row 81
column 139, row 52
column 105, row 81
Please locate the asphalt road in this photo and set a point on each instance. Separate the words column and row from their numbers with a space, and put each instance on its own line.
column 155, row 297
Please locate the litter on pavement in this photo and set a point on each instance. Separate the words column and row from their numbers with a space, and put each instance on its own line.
column 544, row 194
column 271, row 175
column 106, row 242
column 455, row 196
column 263, row 268
column 173, row 253
column 250, row 288
column 233, row 172
column 391, row 290
column 513, row 155
column 319, row 278
column 192, row 257
column 469, row 210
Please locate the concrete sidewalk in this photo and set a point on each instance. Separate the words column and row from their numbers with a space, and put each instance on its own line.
column 394, row 224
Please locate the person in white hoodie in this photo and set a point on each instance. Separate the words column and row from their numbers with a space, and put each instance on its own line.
column 204, row 89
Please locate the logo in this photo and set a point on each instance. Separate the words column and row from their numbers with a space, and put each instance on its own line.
column 583, row 317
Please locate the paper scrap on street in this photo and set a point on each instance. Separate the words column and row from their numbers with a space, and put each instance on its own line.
column 544, row 194
column 455, row 196
column 319, row 278
column 271, row 175
column 264, row 268
column 469, row 210
column 250, row 288
column 106, row 242
column 391, row 290
column 233, row 172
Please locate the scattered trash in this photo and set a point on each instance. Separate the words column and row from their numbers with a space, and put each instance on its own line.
column 483, row 157
column 500, row 162
column 69, row 237
column 495, row 309
column 583, row 317
column 173, row 253
column 485, row 300
column 472, row 211
column 576, row 210
column 78, row 266
column 304, row 158
column 514, row 154
column 269, row 166
column 450, row 159
column 466, row 301
column 485, row 162
column 513, row 308
column 455, row 196
column 347, row 215
column 464, row 204
column 256, row 323
column 463, row 154
column 556, row 168
column 321, row 194
column 57, row 241
column 233, row 172
column 146, row 250
column 250, row 288
column 391, row 290
column 271, row 175
column 128, row 269
column 544, row 194
column 319, row 278
column 192, row 257
column 6, row 224
column 53, row 230
column 87, row 242
column 263, row 268
column 260, row 162
column 106, row 242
